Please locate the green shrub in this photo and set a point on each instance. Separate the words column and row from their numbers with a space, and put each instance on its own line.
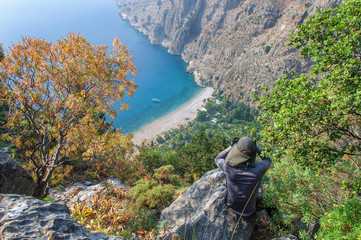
column 154, row 158
column 155, row 192
column 143, row 220
column 164, row 175
column 300, row 192
column 344, row 222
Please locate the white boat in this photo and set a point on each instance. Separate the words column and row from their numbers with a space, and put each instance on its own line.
column 156, row 100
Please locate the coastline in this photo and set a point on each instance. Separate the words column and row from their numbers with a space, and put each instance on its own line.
column 183, row 114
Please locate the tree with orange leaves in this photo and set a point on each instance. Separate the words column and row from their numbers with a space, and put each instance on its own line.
column 55, row 92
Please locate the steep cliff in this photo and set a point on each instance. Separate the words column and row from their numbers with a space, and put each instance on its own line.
column 233, row 45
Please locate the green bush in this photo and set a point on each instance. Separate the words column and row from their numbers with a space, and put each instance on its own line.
column 154, row 158
column 155, row 192
column 299, row 192
column 344, row 222
column 143, row 220
column 164, row 175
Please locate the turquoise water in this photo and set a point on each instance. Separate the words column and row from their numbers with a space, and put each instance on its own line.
column 161, row 75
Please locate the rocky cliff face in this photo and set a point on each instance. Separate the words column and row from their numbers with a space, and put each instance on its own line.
column 233, row 45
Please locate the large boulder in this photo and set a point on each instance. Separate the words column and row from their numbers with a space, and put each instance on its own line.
column 201, row 213
column 13, row 177
column 23, row 217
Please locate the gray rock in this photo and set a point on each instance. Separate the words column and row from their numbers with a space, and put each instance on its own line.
column 262, row 216
column 115, row 183
column 288, row 237
column 13, row 177
column 200, row 212
column 262, row 228
column 83, row 192
column 23, row 217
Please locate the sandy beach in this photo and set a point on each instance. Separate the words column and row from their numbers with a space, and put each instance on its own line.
column 181, row 115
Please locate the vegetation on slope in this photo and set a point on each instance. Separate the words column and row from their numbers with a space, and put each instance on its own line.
column 313, row 121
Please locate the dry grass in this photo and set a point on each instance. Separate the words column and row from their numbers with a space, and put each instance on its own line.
column 108, row 212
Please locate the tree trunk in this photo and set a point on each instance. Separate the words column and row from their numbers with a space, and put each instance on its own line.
column 43, row 183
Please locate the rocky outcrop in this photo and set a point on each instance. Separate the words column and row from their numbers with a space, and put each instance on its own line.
column 83, row 192
column 13, row 177
column 233, row 45
column 23, row 217
column 200, row 212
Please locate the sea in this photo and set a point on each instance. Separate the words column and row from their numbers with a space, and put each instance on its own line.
column 161, row 76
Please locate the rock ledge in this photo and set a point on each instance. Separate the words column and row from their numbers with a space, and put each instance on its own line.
column 23, row 217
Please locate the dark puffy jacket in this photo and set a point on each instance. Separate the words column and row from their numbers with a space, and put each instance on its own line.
column 242, row 184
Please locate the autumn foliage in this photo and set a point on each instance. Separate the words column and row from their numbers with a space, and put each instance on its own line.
column 55, row 93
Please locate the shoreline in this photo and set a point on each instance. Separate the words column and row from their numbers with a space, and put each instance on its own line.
column 183, row 114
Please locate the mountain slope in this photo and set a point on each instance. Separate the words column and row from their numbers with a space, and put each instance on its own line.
column 233, row 45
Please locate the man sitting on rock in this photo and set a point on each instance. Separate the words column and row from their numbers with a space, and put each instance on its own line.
column 243, row 175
